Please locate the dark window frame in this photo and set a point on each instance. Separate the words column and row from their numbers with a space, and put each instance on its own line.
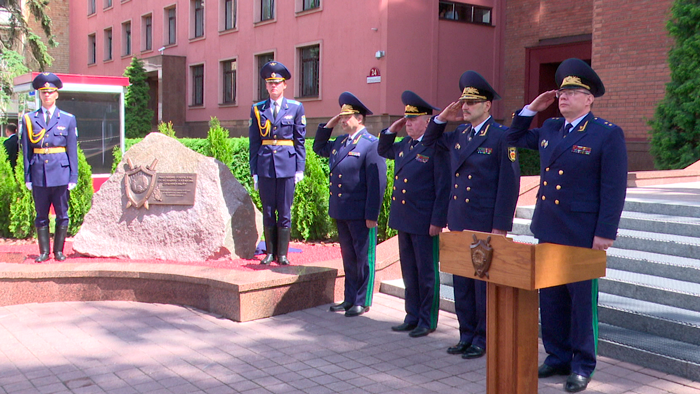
column 198, row 14
column 148, row 32
column 92, row 49
column 267, row 13
column 464, row 12
column 126, row 28
column 309, row 78
column 172, row 25
column 310, row 4
column 229, row 81
column 197, row 85
column 109, row 41
column 230, row 14
column 262, row 88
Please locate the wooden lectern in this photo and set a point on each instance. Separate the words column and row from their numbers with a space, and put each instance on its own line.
column 515, row 273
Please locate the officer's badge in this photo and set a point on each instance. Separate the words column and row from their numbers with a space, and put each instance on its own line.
column 353, row 153
column 484, row 131
column 400, row 154
column 482, row 253
column 288, row 117
column 139, row 183
column 544, row 143
column 303, row 120
column 334, row 151
column 512, row 153
column 457, row 146
column 422, row 158
column 484, row 151
column 61, row 128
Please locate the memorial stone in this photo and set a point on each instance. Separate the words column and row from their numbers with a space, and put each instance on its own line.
column 167, row 202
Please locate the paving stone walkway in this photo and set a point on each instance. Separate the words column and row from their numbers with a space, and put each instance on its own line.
column 126, row 347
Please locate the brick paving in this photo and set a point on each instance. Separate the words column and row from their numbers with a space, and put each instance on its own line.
column 127, row 347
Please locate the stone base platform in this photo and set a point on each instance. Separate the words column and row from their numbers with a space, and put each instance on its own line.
column 234, row 294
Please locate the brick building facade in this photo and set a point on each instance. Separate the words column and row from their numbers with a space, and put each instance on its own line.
column 626, row 43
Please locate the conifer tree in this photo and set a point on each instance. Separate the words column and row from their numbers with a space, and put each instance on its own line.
column 136, row 112
column 675, row 141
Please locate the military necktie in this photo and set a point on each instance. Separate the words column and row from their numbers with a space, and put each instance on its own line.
column 567, row 129
column 47, row 117
column 414, row 143
column 472, row 133
column 275, row 110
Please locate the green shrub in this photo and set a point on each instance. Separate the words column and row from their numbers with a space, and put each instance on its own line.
column 529, row 161
column 167, row 129
column 310, row 220
column 219, row 146
column 22, row 212
column 81, row 196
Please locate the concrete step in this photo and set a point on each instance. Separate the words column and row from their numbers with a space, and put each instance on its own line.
column 652, row 222
column 649, row 317
column 675, row 293
column 662, row 354
column 669, row 244
column 661, row 265
column 662, row 207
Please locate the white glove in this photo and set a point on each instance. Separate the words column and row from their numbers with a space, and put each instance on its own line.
column 71, row 186
column 298, row 176
column 255, row 182
column 29, row 185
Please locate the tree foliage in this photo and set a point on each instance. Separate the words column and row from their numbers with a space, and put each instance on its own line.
column 21, row 49
column 137, row 115
column 219, row 147
column 675, row 141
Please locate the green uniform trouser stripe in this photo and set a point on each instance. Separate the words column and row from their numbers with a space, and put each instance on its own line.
column 594, row 312
column 371, row 258
column 435, row 307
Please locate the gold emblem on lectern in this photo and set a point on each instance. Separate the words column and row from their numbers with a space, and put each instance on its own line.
column 482, row 253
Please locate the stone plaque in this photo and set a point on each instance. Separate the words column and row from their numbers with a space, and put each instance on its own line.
column 174, row 189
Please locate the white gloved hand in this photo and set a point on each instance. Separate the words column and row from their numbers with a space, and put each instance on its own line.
column 29, row 185
column 255, row 182
column 71, row 186
column 298, row 176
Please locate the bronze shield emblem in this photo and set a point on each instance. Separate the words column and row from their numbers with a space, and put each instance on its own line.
column 482, row 253
column 139, row 183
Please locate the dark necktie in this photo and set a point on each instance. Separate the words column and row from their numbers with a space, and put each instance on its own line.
column 567, row 129
column 47, row 115
column 414, row 143
column 472, row 133
column 275, row 110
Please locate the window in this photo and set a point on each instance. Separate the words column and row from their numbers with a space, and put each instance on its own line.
column 126, row 38
column 198, row 18
column 262, row 90
column 108, row 44
column 92, row 49
column 267, row 10
column 92, row 8
column 197, row 85
column 108, row 3
column 170, row 26
column 228, row 69
column 147, row 29
column 310, row 4
column 229, row 11
column 309, row 62
column 464, row 13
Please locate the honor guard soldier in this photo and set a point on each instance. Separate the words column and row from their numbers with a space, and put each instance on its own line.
column 277, row 158
column 583, row 179
column 50, row 148
column 418, row 211
column 357, row 183
column 484, row 191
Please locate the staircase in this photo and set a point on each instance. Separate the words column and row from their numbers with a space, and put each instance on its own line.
column 649, row 301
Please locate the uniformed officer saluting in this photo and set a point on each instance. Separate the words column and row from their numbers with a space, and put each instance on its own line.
column 357, row 183
column 50, row 148
column 418, row 210
column 484, row 192
column 583, row 179
column 277, row 158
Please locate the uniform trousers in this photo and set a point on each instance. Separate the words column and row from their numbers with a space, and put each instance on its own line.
column 44, row 197
column 276, row 197
column 419, row 266
column 358, row 245
column 570, row 325
column 470, row 308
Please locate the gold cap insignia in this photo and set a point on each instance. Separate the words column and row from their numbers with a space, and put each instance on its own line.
column 47, row 85
column 273, row 63
column 347, row 109
column 472, row 93
column 573, row 80
column 413, row 111
column 273, row 75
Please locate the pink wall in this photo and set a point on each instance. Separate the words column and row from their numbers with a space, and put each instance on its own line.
column 423, row 54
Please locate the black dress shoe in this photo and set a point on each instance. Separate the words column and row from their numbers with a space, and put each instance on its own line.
column 459, row 348
column 474, row 352
column 356, row 310
column 404, row 327
column 420, row 332
column 575, row 383
column 341, row 307
column 545, row 371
